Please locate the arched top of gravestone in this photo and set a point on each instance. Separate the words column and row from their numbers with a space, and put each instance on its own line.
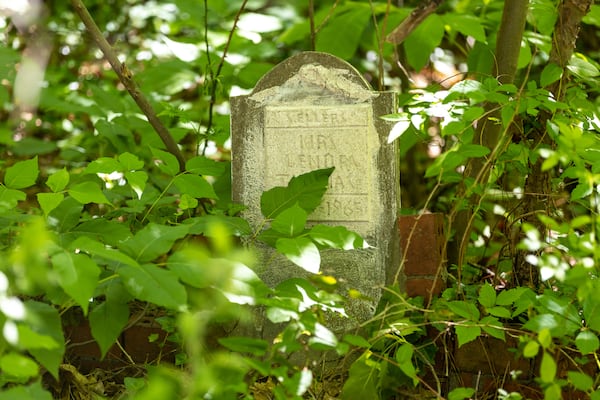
column 315, row 78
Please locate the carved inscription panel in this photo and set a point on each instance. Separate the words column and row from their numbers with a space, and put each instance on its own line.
column 301, row 139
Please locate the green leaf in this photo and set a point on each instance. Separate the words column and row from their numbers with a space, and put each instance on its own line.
column 22, row 174
column 464, row 309
column 466, row 334
column 473, row 150
column 580, row 381
column 362, row 380
column 301, row 251
column 97, row 248
column 154, row 285
column 307, row 190
column 30, row 392
column 137, row 181
column 204, row 225
column 508, row 297
column 88, row 192
column 348, row 22
column 290, row 222
column 111, row 232
column 591, row 312
column 58, row 180
column 195, row 186
column 256, row 347
column 461, row 393
column 547, row 368
column 493, row 327
column 487, row 295
column 468, row 25
column 550, row 74
column 545, row 338
column 498, row 311
column 9, row 198
column 77, row 275
column 587, row 342
column 18, row 366
column 205, row 166
column 49, row 201
column 45, row 320
column 582, row 68
column 153, row 241
column 357, row 340
column 337, row 237
column 130, row 162
column 103, row 165
column 404, row 356
column 107, row 321
column 322, row 338
column 531, row 349
column 423, row 40
column 166, row 162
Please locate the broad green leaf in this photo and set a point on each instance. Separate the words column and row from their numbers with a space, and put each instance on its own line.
column 404, row 356
column 205, row 166
column 96, row 248
column 348, row 22
column 337, row 237
column 500, row 312
column 22, row 174
column 29, row 392
column 464, row 309
column 49, row 201
column 322, row 338
column 461, row 393
column 103, row 165
column 582, row 68
column 307, row 190
column 107, row 321
column 550, row 74
column 302, row 252
column 542, row 15
column 18, row 366
column 153, row 241
column 290, row 222
column 531, row 349
column 45, row 320
column 473, row 150
column 195, row 185
column 166, row 162
column 88, row 192
column 398, row 129
column 130, row 162
column 256, row 347
column 587, row 342
column 357, row 340
column 468, row 25
column 77, row 275
column 362, row 380
column 580, row 381
column 466, row 334
column 508, row 297
column 9, row 198
column 493, row 327
column 154, row 285
column 108, row 231
column 137, row 181
column 487, row 296
column 547, row 368
column 419, row 45
column 58, row 180
column 203, row 225
column 545, row 338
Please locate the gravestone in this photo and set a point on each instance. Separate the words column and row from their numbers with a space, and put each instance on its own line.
column 310, row 112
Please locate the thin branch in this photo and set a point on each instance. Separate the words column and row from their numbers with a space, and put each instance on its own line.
column 214, row 75
column 126, row 78
column 410, row 23
column 311, row 19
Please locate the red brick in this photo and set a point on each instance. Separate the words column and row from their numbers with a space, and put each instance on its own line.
column 425, row 287
column 422, row 243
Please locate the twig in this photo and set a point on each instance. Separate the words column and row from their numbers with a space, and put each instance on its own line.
column 214, row 76
column 311, row 19
column 126, row 78
column 411, row 22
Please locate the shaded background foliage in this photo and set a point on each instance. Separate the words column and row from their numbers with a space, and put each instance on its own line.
column 61, row 144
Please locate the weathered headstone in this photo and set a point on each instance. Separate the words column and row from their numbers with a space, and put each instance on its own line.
column 315, row 111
